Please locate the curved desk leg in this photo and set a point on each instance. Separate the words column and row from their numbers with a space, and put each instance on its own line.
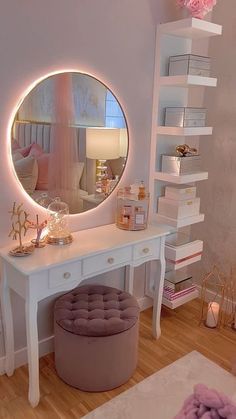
column 129, row 279
column 158, row 292
column 7, row 323
column 31, row 308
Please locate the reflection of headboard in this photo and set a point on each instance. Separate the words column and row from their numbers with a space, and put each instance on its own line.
column 27, row 133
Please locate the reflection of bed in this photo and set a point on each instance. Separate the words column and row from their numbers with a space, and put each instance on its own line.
column 26, row 133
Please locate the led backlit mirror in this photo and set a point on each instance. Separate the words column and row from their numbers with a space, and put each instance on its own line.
column 70, row 140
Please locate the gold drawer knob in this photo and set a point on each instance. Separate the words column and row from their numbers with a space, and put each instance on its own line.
column 146, row 250
column 67, row 275
column 110, row 260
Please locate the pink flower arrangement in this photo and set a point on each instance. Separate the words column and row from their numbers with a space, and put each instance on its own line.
column 197, row 8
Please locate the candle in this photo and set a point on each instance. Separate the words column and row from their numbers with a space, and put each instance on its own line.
column 212, row 314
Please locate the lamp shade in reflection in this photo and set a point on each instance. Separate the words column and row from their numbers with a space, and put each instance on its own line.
column 123, row 142
column 103, row 143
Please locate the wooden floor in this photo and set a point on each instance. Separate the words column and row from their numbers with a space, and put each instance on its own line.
column 180, row 335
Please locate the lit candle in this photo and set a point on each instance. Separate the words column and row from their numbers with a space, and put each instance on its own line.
column 212, row 314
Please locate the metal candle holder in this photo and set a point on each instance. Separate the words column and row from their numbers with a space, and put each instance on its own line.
column 216, row 283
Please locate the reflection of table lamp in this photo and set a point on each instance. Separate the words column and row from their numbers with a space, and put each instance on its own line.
column 102, row 144
column 123, row 144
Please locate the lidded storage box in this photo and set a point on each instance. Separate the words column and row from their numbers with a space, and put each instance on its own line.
column 132, row 208
column 180, row 192
column 189, row 64
column 177, row 165
column 185, row 117
column 178, row 209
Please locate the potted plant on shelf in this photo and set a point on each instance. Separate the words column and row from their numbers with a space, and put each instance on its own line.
column 197, row 8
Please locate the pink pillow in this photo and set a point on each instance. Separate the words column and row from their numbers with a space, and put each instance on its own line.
column 35, row 150
column 25, row 150
column 43, row 165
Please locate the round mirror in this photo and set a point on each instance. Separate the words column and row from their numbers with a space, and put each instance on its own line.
column 69, row 140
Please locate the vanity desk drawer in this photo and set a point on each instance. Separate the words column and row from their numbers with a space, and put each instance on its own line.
column 150, row 248
column 105, row 261
column 65, row 274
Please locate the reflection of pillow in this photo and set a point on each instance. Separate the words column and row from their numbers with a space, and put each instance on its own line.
column 16, row 155
column 43, row 164
column 25, row 150
column 35, row 150
column 27, row 172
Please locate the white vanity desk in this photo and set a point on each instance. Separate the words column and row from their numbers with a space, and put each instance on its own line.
column 56, row 269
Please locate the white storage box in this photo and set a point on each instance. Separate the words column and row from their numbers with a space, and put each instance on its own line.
column 178, row 209
column 181, row 165
column 185, row 117
column 180, row 192
column 177, row 253
column 189, row 64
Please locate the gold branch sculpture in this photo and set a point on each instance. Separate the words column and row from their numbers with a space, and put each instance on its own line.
column 20, row 225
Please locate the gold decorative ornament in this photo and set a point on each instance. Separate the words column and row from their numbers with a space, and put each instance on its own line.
column 20, row 225
column 184, row 150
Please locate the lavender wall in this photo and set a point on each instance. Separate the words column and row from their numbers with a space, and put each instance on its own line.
column 113, row 40
column 218, row 194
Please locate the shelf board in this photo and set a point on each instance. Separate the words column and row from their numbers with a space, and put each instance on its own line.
column 188, row 80
column 181, row 179
column 181, row 265
column 181, row 300
column 184, row 131
column 183, row 222
column 191, row 28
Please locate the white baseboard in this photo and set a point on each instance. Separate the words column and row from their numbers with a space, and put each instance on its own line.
column 47, row 345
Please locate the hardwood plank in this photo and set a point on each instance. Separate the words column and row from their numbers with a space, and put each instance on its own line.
column 181, row 334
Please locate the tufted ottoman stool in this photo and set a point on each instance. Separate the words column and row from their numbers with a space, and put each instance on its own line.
column 96, row 337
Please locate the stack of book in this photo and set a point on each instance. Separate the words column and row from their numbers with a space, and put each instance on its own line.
column 177, row 285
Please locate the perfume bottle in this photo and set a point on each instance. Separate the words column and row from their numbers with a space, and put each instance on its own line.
column 142, row 191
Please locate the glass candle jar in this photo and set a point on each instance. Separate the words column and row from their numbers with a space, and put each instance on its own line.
column 58, row 230
column 132, row 208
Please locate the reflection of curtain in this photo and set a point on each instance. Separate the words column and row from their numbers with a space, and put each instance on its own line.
column 63, row 163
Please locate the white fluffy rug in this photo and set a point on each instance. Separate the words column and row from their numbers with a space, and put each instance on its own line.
column 161, row 395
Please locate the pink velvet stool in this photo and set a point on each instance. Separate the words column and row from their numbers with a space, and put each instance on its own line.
column 96, row 337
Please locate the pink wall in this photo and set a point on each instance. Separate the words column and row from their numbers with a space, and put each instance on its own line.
column 218, row 194
column 113, row 40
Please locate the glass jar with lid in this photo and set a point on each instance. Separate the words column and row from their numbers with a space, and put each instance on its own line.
column 58, row 229
column 132, row 208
